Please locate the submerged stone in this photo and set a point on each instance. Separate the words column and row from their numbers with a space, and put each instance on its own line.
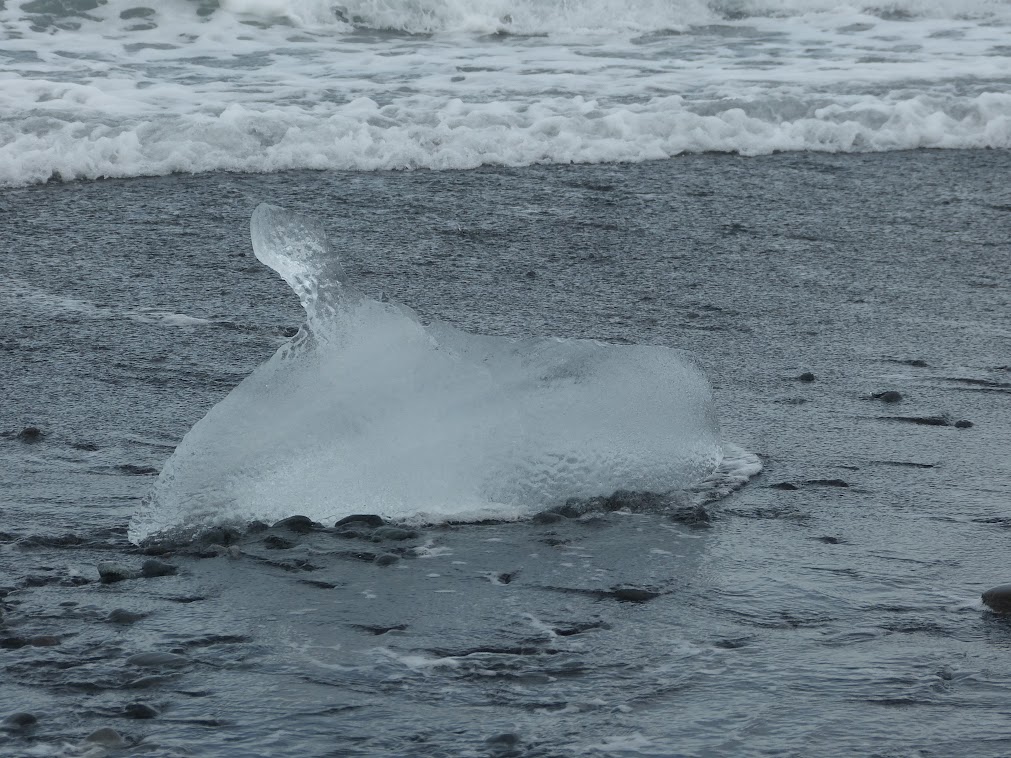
column 158, row 660
column 152, row 568
column 888, row 396
column 393, row 533
column 807, row 376
column 120, row 616
column 386, row 559
column 106, row 737
column 139, row 711
column 15, row 722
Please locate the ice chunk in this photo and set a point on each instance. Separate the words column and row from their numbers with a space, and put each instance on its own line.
column 369, row 411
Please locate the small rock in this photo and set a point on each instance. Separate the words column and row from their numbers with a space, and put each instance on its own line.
column 110, row 572
column 106, row 737
column 788, row 486
column 827, row 482
column 393, row 533
column 963, row 424
column 219, row 535
column 297, row 524
column 888, row 396
column 828, row 540
column 807, row 376
column 44, row 640
column 273, row 542
column 634, row 594
column 157, row 660
column 153, row 567
column 13, row 643
column 386, row 559
column 362, row 519
column 255, row 527
column 546, row 517
column 120, row 616
column 18, row 721
column 31, row 434
column 696, row 516
column 139, row 711
column 998, row 599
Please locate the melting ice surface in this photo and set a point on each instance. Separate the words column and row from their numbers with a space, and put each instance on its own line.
column 367, row 410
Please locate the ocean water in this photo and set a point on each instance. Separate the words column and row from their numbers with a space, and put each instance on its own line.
column 678, row 249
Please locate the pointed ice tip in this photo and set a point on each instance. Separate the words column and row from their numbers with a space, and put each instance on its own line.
column 295, row 246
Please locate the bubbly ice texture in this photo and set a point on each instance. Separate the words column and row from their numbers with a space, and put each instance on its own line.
column 367, row 410
column 123, row 89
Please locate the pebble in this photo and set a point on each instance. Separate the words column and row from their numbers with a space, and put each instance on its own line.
column 17, row 721
column 297, row 524
column 273, row 542
column 139, row 711
column 788, row 486
column 110, row 572
column 157, row 660
column 31, row 434
column 546, row 517
column 963, row 424
column 106, row 737
column 392, row 533
column 120, row 616
column 386, row 559
column 888, row 396
column 154, row 567
column 807, row 376
column 363, row 519
column 998, row 599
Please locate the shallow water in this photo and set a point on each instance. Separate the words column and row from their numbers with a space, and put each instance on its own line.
column 838, row 618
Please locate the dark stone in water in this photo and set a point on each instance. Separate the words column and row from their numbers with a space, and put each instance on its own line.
column 152, row 568
column 695, row 516
column 963, row 424
column 634, row 501
column 788, row 486
column 393, row 533
column 546, row 517
column 386, row 559
column 13, row 643
column 352, row 534
column 219, row 535
column 31, row 434
column 44, row 640
column 18, row 721
column 634, row 594
column 362, row 519
column 120, row 616
column 273, row 542
column 920, row 420
column 110, row 572
column 829, row 540
column 569, row 510
column 807, row 376
column 998, row 599
column 888, row 396
column 107, row 737
column 157, row 660
column 255, row 527
column 139, row 711
column 827, row 483
column 297, row 524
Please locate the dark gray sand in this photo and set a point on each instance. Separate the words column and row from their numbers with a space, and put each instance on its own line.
column 851, row 311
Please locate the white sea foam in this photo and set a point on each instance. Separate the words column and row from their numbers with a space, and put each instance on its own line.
column 370, row 411
column 268, row 85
